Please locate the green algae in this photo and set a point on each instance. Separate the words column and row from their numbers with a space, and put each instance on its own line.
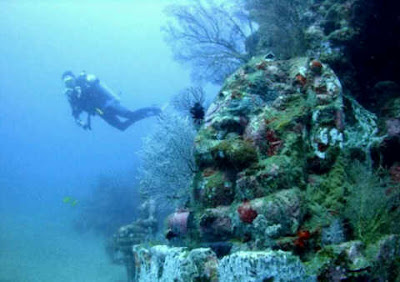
column 370, row 210
column 234, row 154
column 268, row 176
column 326, row 195
column 294, row 108
column 217, row 190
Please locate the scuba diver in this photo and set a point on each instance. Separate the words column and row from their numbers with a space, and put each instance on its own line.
column 87, row 94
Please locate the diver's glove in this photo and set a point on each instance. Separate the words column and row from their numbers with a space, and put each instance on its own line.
column 85, row 126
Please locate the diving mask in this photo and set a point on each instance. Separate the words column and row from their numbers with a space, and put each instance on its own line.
column 69, row 81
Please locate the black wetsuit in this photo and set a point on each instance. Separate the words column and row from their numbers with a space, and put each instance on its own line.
column 93, row 97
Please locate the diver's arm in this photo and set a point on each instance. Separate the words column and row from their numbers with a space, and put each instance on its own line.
column 88, row 124
column 78, row 121
column 85, row 126
column 76, row 113
column 73, row 98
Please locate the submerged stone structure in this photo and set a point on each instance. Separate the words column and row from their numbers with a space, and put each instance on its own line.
column 296, row 180
column 276, row 157
column 162, row 263
column 273, row 124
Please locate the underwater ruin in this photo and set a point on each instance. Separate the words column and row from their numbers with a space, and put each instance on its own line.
column 297, row 164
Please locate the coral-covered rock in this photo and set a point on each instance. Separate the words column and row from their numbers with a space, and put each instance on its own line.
column 215, row 224
column 387, row 249
column 262, row 266
column 261, row 219
column 272, row 123
column 284, row 208
column 246, row 213
column 264, row 112
column 333, row 234
column 234, row 154
column 216, row 189
column 270, row 175
column 346, row 261
column 274, row 156
column 353, row 259
column 340, row 262
column 163, row 263
column 277, row 151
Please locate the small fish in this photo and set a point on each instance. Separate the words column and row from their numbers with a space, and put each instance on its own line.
column 66, row 199
column 70, row 201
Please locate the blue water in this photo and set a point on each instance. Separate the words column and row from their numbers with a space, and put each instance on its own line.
column 44, row 156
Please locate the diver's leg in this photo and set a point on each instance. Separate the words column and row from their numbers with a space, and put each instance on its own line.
column 114, row 121
column 144, row 113
column 137, row 115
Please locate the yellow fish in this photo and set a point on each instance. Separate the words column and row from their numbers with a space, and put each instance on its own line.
column 66, row 199
column 70, row 200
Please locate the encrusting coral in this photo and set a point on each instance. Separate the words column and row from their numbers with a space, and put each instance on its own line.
column 296, row 180
column 284, row 157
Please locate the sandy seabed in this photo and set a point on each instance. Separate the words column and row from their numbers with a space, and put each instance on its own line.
column 34, row 248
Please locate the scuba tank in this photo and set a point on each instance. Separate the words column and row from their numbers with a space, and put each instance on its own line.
column 97, row 92
column 90, row 81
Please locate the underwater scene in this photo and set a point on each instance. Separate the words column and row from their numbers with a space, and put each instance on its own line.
column 199, row 140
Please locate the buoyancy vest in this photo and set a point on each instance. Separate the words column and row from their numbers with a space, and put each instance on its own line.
column 95, row 95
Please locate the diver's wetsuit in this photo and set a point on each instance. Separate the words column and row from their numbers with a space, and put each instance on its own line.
column 93, row 97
